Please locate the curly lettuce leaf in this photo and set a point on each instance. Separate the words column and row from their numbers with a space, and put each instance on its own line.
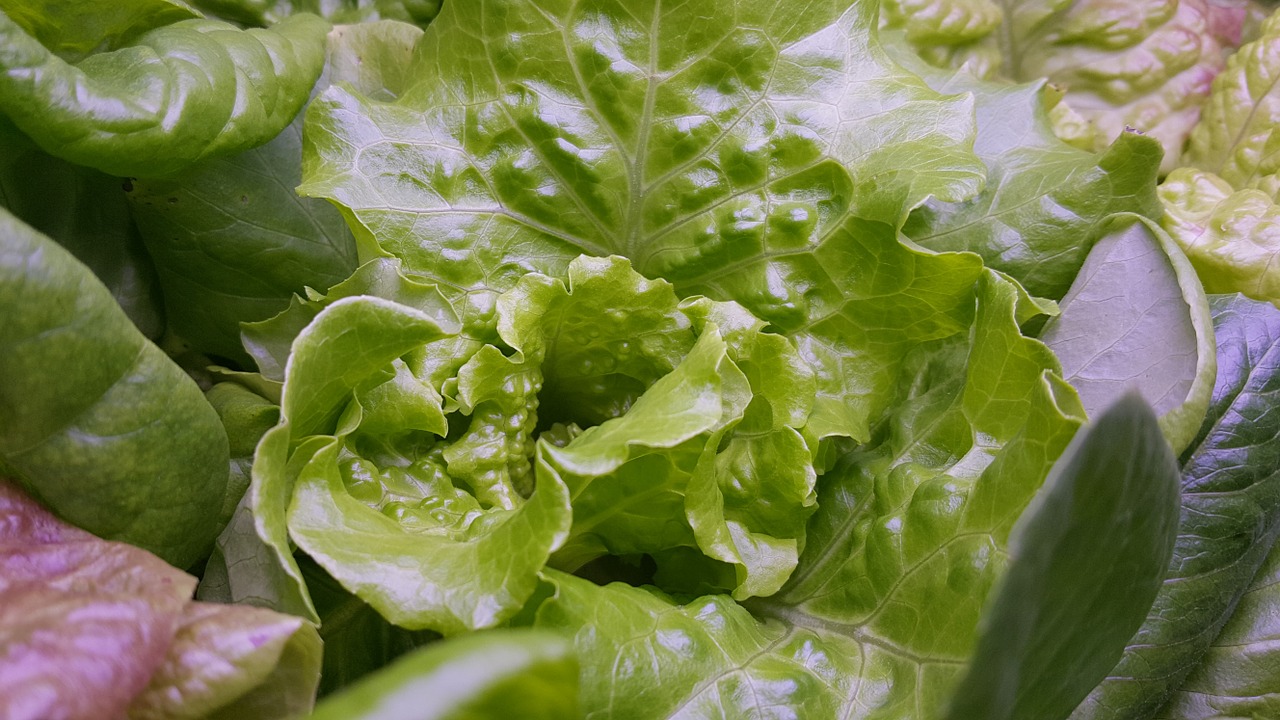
column 1238, row 137
column 741, row 152
column 1231, row 237
column 670, row 431
column 96, row 421
column 501, row 673
column 713, row 657
column 91, row 629
column 1230, row 517
column 177, row 94
column 1140, row 64
column 1137, row 317
column 1240, row 674
column 690, row 409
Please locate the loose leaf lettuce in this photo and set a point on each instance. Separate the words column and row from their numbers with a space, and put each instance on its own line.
column 1144, row 64
column 1222, row 208
column 95, row 420
column 1230, row 517
column 230, row 662
column 177, row 94
column 1137, row 317
column 745, row 152
column 1232, row 237
column 909, row 537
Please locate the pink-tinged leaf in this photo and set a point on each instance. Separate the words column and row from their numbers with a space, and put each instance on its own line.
column 84, row 623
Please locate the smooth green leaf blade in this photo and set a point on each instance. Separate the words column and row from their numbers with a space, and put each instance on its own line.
column 233, row 242
column 1230, row 516
column 83, row 211
column 1086, row 561
column 179, row 94
column 1240, row 675
column 1137, row 317
column 491, row 675
column 95, row 420
column 1238, row 137
column 246, row 417
column 253, row 563
column 73, row 29
column 234, row 662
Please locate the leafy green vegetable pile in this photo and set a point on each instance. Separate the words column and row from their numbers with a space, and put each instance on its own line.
column 639, row 359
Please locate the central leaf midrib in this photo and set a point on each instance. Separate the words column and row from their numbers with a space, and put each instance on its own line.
column 635, row 208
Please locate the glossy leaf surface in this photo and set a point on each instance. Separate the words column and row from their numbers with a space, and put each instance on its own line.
column 1230, row 517
column 177, row 94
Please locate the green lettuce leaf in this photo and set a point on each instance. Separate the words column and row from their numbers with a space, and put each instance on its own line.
column 1240, row 674
column 1137, row 317
column 96, row 421
column 357, row 640
column 74, row 30
column 501, row 673
column 1082, row 569
column 690, row 408
column 723, row 146
column 261, row 13
column 1238, row 137
column 1230, row 517
column 1232, row 237
column 913, row 526
column 1086, row 561
column 1140, row 64
column 177, row 94
column 243, row 262
column 1222, row 208
column 83, row 211
column 92, row 629
column 1043, row 198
